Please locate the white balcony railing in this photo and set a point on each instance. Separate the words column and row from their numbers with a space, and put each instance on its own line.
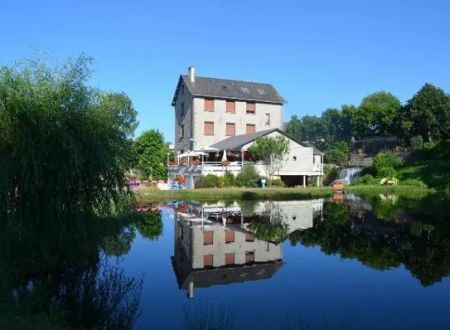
column 207, row 167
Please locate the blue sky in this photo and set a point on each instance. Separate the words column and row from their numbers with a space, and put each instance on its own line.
column 318, row 54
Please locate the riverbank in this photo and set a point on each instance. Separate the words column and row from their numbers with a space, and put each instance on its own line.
column 153, row 195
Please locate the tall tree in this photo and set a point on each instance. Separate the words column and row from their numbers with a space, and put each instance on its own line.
column 60, row 145
column 271, row 151
column 426, row 114
column 151, row 152
column 294, row 128
column 375, row 115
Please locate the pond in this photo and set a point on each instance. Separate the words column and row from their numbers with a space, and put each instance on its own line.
column 378, row 262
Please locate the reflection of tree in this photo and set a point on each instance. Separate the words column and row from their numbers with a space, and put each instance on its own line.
column 53, row 273
column 269, row 225
column 150, row 225
column 119, row 244
column 423, row 248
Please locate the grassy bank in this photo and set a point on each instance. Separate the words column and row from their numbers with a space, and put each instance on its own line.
column 151, row 195
column 234, row 193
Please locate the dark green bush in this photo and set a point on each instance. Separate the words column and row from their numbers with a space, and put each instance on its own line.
column 208, row 181
column 413, row 182
column 366, row 179
column 417, row 142
column 248, row 177
column 385, row 164
column 277, row 183
column 228, row 179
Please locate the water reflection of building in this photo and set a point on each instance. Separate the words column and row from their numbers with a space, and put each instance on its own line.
column 214, row 246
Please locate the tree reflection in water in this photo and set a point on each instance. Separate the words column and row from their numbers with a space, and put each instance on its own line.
column 56, row 273
column 385, row 233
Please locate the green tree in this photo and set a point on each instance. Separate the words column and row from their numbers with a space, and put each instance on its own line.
column 337, row 153
column 63, row 144
column 151, row 152
column 426, row 114
column 375, row 115
column 294, row 128
column 150, row 225
column 271, row 151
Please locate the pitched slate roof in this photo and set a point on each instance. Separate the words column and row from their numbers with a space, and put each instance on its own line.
column 238, row 141
column 230, row 90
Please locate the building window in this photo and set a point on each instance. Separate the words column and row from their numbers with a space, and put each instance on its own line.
column 181, row 131
column 230, row 107
column 229, row 259
column 208, row 237
column 182, row 109
column 251, row 108
column 250, row 128
column 249, row 237
column 208, row 260
column 267, row 118
column 182, row 88
column 229, row 236
column 209, row 104
column 209, row 128
column 230, row 129
column 249, row 257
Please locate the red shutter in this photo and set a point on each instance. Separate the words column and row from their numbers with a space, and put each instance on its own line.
column 250, row 128
column 230, row 129
column 208, row 237
column 229, row 236
column 209, row 128
column 209, row 105
column 231, row 107
column 208, row 260
column 229, row 259
column 251, row 107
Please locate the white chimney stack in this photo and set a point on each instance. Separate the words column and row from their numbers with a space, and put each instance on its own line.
column 191, row 73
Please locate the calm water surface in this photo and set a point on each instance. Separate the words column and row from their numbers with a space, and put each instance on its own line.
column 376, row 263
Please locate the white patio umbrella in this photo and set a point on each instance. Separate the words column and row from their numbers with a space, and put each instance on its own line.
column 224, row 156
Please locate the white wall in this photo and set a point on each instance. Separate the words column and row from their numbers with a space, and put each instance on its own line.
column 264, row 251
column 240, row 118
column 302, row 165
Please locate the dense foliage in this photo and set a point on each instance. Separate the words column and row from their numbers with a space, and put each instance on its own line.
column 248, row 177
column 151, row 152
column 385, row 165
column 425, row 117
column 63, row 144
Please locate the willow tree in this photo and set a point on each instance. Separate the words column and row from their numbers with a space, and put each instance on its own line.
column 63, row 144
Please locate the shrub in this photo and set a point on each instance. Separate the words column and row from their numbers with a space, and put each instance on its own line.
column 384, row 165
column 417, row 142
column 366, row 179
column 277, row 183
column 228, row 179
column 414, row 182
column 208, row 181
column 248, row 177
